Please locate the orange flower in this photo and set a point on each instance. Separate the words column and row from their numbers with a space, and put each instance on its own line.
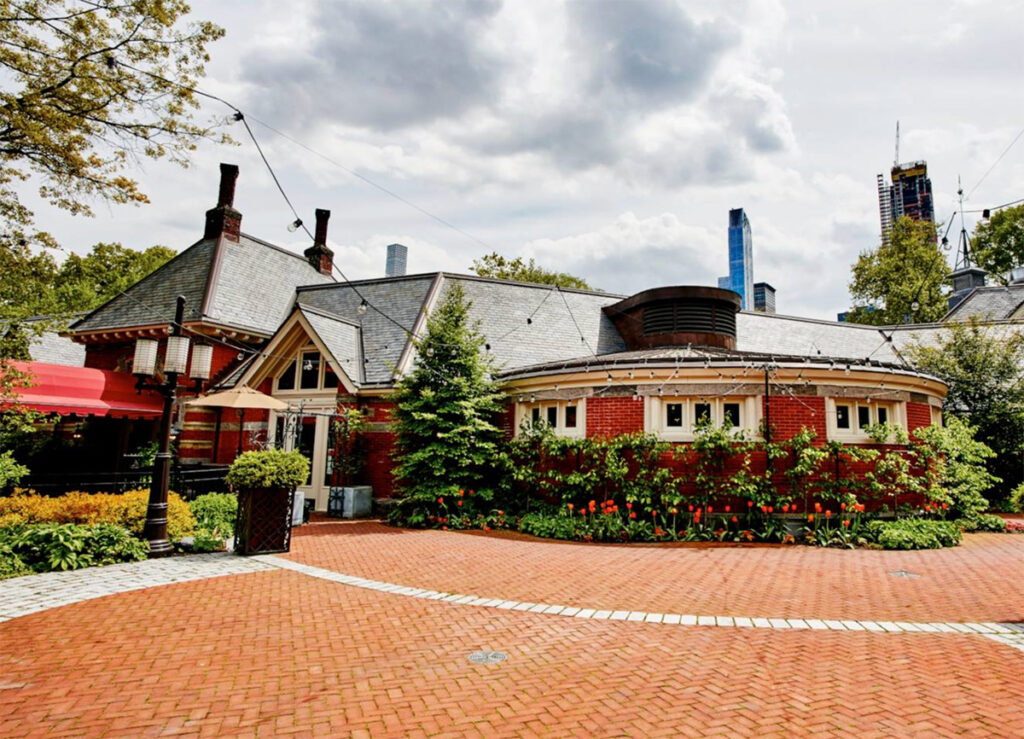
column 842, row 506
column 727, row 509
column 632, row 514
column 440, row 500
column 674, row 511
column 654, row 513
column 709, row 509
column 460, row 502
column 444, row 528
column 750, row 504
column 734, row 519
column 501, row 513
column 770, row 509
column 828, row 514
column 487, row 528
column 817, row 507
column 846, row 522
column 583, row 511
column 629, row 505
column 691, row 507
column 462, row 492
column 470, row 492
column 810, row 518
column 945, row 506
column 571, row 506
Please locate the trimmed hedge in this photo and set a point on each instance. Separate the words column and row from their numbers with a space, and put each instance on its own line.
column 127, row 510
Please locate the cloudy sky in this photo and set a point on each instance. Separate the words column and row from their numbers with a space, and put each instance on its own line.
column 605, row 139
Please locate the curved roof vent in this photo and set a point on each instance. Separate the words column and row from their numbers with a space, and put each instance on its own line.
column 677, row 316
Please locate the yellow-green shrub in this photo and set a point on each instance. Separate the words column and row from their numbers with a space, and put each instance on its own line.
column 127, row 509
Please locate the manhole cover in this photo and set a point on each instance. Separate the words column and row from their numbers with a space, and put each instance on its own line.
column 903, row 573
column 486, row 657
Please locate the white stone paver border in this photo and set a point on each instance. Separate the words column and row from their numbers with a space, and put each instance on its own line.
column 21, row 596
column 1011, row 634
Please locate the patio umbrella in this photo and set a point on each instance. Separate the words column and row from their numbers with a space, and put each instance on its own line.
column 239, row 398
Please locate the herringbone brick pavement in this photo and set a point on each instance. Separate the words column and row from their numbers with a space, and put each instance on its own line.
column 981, row 580
column 276, row 654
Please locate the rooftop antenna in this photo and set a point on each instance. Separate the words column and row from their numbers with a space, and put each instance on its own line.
column 896, row 161
column 963, row 249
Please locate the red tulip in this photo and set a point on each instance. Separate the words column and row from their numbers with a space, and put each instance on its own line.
column 828, row 514
column 734, row 519
column 727, row 509
column 810, row 518
column 460, row 502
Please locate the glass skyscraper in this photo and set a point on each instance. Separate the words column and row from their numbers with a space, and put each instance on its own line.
column 741, row 259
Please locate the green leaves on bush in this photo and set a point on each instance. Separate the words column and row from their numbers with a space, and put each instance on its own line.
column 216, row 513
column 914, row 533
column 49, row 547
column 272, row 468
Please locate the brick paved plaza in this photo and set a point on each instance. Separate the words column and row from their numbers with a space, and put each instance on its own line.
column 366, row 631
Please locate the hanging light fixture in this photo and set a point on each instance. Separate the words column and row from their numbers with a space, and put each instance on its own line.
column 295, row 225
column 202, row 360
column 144, row 362
column 176, row 354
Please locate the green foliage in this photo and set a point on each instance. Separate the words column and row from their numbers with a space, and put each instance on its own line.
column 714, row 451
column 444, row 418
column 914, row 533
column 10, row 471
column 350, row 451
column 215, row 516
column 1017, row 499
column 270, row 468
column 84, row 283
column 958, row 464
column 499, row 267
column 998, row 243
column 89, row 88
column 549, row 525
column 984, row 522
column 982, row 367
column 910, row 267
column 49, row 547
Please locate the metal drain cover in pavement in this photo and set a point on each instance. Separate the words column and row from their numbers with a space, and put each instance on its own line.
column 486, row 657
column 903, row 573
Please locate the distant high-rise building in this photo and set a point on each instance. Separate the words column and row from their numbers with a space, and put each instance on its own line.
column 741, row 259
column 395, row 266
column 764, row 297
column 910, row 194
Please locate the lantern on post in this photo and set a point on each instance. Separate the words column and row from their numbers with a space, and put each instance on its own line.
column 176, row 356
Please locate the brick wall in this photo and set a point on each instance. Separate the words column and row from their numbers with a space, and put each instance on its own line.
column 380, row 443
column 789, row 415
column 614, row 416
column 918, row 415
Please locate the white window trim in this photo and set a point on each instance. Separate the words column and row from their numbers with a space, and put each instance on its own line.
column 897, row 417
column 655, row 409
column 524, row 413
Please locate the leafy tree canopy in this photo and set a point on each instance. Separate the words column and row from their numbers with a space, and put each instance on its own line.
column 998, row 244
column 501, row 268
column 34, row 285
column 88, row 87
column 909, row 268
column 981, row 364
column 445, row 415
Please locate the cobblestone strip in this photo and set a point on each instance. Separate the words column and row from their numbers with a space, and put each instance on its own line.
column 1011, row 634
column 21, row 596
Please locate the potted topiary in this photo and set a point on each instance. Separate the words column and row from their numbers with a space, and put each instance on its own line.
column 265, row 482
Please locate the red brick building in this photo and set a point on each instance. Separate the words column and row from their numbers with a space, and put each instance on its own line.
column 586, row 362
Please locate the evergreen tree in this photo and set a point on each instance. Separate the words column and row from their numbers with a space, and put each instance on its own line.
column 447, row 440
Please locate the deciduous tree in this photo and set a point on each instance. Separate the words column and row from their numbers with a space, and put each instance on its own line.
column 502, row 268
column 901, row 281
column 998, row 244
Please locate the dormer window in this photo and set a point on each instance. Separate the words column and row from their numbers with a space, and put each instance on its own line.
column 307, row 371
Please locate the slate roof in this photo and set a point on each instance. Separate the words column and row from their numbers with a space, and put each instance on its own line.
column 341, row 338
column 251, row 286
column 52, row 348
column 778, row 334
column 557, row 318
column 995, row 303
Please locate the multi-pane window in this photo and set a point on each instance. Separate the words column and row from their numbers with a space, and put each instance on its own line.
column 307, row 371
column 851, row 418
column 565, row 418
column 678, row 418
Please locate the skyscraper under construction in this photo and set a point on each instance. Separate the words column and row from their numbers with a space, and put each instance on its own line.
column 910, row 194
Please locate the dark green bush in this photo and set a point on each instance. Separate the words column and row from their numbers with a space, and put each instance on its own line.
column 11, row 565
column 988, row 522
column 548, row 525
column 914, row 533
column 48, row 547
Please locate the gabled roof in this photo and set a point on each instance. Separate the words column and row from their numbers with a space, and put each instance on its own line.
column 778, row 334
column 522, row 323
column 994, row 303
column 249, row 285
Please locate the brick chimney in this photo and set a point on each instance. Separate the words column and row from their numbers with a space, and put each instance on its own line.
column 319, row 255
column 224, row 219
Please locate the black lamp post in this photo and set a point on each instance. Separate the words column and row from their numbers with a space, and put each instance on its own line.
column 175, row 364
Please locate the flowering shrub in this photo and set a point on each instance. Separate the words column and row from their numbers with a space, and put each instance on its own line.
column 126, row 509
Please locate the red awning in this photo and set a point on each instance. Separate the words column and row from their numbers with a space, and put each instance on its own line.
column 86, row 392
